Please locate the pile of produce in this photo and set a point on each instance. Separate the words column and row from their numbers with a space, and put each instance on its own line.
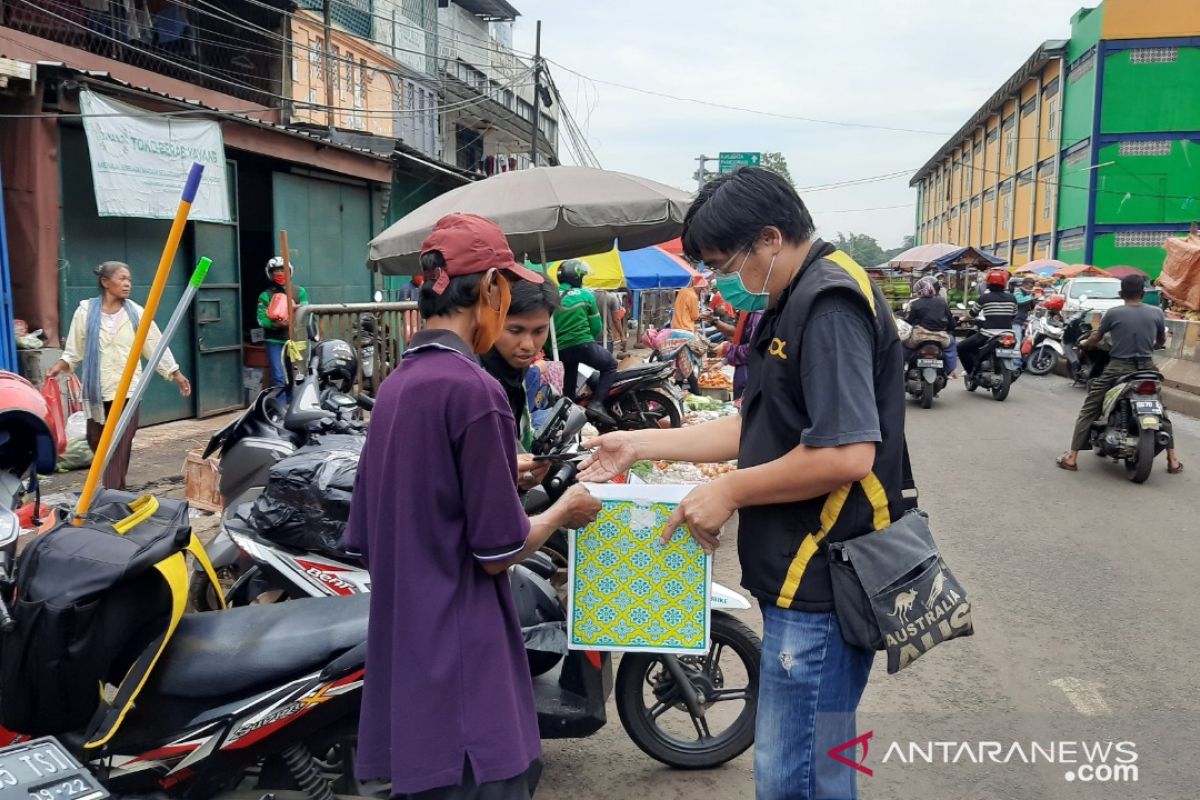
column 666, row 472
column 715, row 379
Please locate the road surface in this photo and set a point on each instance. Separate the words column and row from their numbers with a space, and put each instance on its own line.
column 1086, row 601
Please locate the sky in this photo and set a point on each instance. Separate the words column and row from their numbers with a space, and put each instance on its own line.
column 924, row 65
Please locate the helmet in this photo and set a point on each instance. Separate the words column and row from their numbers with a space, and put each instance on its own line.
column 25, row 437
column 997, row 277
column 1054, row 302
column 337, row 364
column 277, row 263
column 571, row 272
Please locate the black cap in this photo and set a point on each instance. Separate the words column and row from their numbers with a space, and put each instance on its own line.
column 1133, row 286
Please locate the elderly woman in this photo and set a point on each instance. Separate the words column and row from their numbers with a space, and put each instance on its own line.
column 101, row 338
column 931, row 320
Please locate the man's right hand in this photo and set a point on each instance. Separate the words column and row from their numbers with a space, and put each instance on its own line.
column 578, row 507
column 58, row 368
column 614, row 454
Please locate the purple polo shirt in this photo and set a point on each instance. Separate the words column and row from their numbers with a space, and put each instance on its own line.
column 447, row 680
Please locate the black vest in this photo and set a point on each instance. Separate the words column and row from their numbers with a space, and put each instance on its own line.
column 782, row 546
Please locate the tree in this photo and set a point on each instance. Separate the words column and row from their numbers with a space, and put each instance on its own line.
column 776, row 162
column 862, row 248
column 909, row 242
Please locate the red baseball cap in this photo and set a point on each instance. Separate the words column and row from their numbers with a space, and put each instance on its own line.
column 471, row 244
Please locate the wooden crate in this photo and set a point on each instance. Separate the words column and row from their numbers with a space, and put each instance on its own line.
column 201, row 481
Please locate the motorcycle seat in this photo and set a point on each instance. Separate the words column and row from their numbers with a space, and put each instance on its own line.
column 235, row 651
column 1142, row 375
column 641, row 370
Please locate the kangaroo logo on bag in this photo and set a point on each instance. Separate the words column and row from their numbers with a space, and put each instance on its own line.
column 943, row 615
column 904, row 603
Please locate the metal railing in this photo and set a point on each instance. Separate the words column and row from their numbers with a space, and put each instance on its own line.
column 378, row 350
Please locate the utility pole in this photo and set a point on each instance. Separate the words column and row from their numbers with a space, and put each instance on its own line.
column 327, row 11
column 537, row 94
column 701, row 172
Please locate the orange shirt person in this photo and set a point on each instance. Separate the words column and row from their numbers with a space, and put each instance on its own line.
column 687, row 310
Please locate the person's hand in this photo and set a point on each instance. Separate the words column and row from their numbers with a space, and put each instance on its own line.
column 530, row 473
column 185, row 386
column 577, row 506
column 704, row 511
column 614, row 454
column 723, row 349
column 59, row 367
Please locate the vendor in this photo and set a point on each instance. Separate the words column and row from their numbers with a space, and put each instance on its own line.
column 275, row 325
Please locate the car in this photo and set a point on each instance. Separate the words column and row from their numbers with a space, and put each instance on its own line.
column 1091, row 294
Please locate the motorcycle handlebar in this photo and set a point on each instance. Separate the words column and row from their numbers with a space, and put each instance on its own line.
column 7, row 623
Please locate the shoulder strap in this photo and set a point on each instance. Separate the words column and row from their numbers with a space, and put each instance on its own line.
column 908, row 484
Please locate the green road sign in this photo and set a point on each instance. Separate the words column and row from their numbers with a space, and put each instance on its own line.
column 731, row 161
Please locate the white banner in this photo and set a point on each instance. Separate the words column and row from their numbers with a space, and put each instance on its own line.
column 140, row 162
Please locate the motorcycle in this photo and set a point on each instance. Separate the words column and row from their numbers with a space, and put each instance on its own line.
column 1130, row 424
column 996, row 365
column 1043, row 344
column 641, row 397
column 1084, row 364
column 571, row 687
column 274, row 702
column 926, row 374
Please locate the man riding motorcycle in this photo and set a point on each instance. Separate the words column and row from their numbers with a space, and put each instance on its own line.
column 997, row 311
column 1137, row 330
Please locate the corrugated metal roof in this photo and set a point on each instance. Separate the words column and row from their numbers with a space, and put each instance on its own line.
column 1048, row 51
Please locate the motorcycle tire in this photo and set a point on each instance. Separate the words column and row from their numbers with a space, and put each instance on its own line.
column 637, row 674
column 659, row 410
column 201, row 593
column 1001, row 392
column 927, row 393
column 1042, row 361
column 1138, row 468
column 972, row 384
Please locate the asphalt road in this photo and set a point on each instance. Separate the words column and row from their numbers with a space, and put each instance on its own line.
column 1085, row 602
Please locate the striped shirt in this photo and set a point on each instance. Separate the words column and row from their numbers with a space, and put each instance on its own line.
column 998, row 310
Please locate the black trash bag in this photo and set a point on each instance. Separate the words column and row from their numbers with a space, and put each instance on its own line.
column 306, row 503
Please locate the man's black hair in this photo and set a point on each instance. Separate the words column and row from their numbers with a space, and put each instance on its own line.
column 1133, row 287
column 528, row 297
column 732, row 209
column 463, row 291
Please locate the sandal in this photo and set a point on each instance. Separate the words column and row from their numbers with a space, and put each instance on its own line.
column 1061, row 461
column 1175, row 470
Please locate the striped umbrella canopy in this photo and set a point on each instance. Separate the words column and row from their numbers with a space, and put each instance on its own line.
column 644, row 268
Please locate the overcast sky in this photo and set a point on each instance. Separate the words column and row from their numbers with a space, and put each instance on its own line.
column 918, row 64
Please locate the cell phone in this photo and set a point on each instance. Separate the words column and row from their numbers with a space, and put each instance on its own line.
column 560, row 457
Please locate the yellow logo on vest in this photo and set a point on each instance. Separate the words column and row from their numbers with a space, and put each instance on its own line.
column 776, row 349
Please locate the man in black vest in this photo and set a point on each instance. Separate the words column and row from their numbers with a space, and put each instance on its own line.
column 819, row 444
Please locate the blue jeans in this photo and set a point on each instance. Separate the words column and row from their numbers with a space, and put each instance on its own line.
column 809, row 688
column 275, row 358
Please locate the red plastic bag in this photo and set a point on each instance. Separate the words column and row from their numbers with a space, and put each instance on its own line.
column 52, row 393
column 277, row 310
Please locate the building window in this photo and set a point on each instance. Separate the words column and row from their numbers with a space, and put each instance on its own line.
column 1052, row 123
column 1074, row 242
column 1076, row 158
column 1025, row 177
column 992, row 134
column 1144, row 148
column 1154, row 55
column 974, row 202
column 1051, row 89
column 1007, row 218
column 1010, row 151
column 1081, row 66
column 1048, row 193
column 1029, row 107
column 1142, row 238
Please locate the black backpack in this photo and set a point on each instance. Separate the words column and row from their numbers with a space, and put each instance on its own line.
column 95, row 605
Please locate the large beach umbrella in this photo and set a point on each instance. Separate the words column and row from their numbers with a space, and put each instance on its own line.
column 1123, row 272
column 1042, row 266
column 921, row 256
column 548, row 213
column 644, row 268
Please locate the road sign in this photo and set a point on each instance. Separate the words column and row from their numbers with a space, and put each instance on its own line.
column 731, row 161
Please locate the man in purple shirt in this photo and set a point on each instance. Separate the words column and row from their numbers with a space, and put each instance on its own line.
column 448, row 709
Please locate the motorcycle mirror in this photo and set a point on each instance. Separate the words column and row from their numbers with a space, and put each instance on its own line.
column 313, row 330
column 576, row 419
column 378, row 296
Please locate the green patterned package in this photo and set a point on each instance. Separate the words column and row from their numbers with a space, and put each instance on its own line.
column 627, row 590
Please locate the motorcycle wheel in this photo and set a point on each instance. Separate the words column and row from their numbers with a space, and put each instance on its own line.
column 1001, row 392
column 680, row 740
column 202, row 594
column 927, row 393
column 972, row 384
column 1138, row 468
column 645, row 410
column 1042, row 361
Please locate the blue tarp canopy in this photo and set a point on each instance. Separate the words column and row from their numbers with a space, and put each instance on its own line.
column 965, row 257
column 653, row 268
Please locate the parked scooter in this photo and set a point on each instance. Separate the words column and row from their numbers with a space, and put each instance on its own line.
column 1130, row 424
column 1084, row 364
column 926, row 374
column 641, row 397
column 1044, row 343
column 571, row 687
